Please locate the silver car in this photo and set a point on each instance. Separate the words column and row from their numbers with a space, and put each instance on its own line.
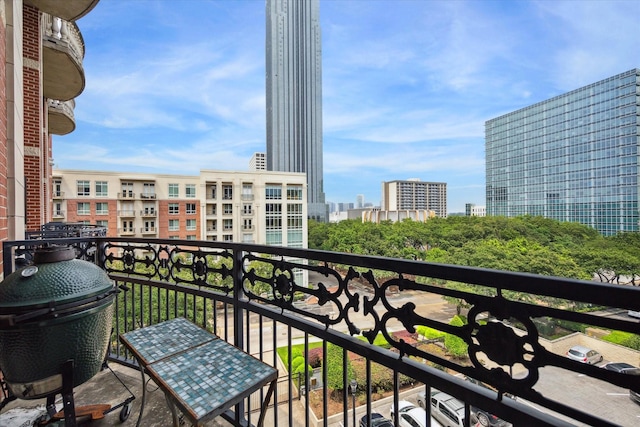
column 584, row 355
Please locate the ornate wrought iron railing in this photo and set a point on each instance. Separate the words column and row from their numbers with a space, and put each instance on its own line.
column 265, row 298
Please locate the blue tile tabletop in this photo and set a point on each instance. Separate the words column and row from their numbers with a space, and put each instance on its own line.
column 154, row 342
column 208, row 379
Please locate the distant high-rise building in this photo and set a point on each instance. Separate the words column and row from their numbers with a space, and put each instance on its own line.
column 294, row 95
column 258, row 162
column 414, row 194
column 572, row 158
column 360, row 201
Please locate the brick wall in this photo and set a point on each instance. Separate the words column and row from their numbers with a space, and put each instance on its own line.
column 162, row 221
column 33, row 107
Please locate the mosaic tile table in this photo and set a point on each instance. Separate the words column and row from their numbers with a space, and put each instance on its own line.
column 198, row 372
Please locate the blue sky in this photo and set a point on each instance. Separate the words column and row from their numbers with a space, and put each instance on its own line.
column 178, row 86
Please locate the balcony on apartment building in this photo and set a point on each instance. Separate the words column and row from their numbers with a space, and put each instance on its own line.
column 145, row 231
column 62, row 54
column 126, row 195
column 382, row 325
column 148, row 213
column 127, row 213
column 58, row 194
column 57, row 214
column 148, row 196
column 60, row 116
column 68, row 10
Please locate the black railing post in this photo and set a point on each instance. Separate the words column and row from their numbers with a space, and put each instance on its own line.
column 7, row 259
column 238, row 332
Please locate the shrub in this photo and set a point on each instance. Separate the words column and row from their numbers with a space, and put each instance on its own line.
column 296, row 363
column 315, row 357
column 454, row 344
column 429, row 333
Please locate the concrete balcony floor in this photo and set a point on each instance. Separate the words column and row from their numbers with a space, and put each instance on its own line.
column 104, row 387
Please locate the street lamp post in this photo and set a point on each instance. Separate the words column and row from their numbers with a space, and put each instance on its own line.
column 354, row 387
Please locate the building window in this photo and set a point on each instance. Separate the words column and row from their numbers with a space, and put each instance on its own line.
column 191, row 208
column 212, row 209
column 174, row 191
column 57, row 188
column 57, row 210
column 191, row 237
column 102, row 208
column 227, row 208
column 150, row 226
column 227, row 192
column 174, row 208
column 102, row 223
column 84, row 208
column 294, row 192
column 273, row 192
column 247, row 225
column 127, row 190
column 212, row 191
column 102, row 189
column 127, row 226
column 190, row 191
column 84, row 188
column 174, row 225
column 149, row 190
column 227, row 224
column 191, row 224
column 247, row 192
column 247, row 209
column 227, row 238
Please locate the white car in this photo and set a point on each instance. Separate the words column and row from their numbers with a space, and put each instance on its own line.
column 411, row 416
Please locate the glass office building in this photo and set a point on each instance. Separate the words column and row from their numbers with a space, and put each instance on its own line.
column 573, row 157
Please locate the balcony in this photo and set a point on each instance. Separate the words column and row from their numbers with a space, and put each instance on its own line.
column 67, row 10
column 58, row 194
column 126, row 195
column 58, row 214
column 127, row 213
column 126, row 231
column 148, row 213
column 151, row 196
column 365, row 311
column 62, row 56
column 148, row 230
column 60, row 115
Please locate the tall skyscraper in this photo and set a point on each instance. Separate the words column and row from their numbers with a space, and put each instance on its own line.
column 294, row 95
column 573, row 157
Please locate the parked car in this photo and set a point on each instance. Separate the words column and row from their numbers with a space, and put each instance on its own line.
column 483, row 418
column 622, row 367
column 377, row 420
column 448, row 410
column 633, row 313
column 584, row 355
column 625, row 368
column 411, row 416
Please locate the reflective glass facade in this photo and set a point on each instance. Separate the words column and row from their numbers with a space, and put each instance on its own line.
column 572, row 158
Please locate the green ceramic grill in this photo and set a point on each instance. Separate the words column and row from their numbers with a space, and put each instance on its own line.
column 56, row 310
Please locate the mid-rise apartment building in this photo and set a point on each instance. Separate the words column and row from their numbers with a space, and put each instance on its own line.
column 572, row 158
column 249, row 207
column 415, row 195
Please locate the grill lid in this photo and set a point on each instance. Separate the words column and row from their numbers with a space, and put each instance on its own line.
column 56, row 284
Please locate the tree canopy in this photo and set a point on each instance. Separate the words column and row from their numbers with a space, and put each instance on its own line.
column 528, row 244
